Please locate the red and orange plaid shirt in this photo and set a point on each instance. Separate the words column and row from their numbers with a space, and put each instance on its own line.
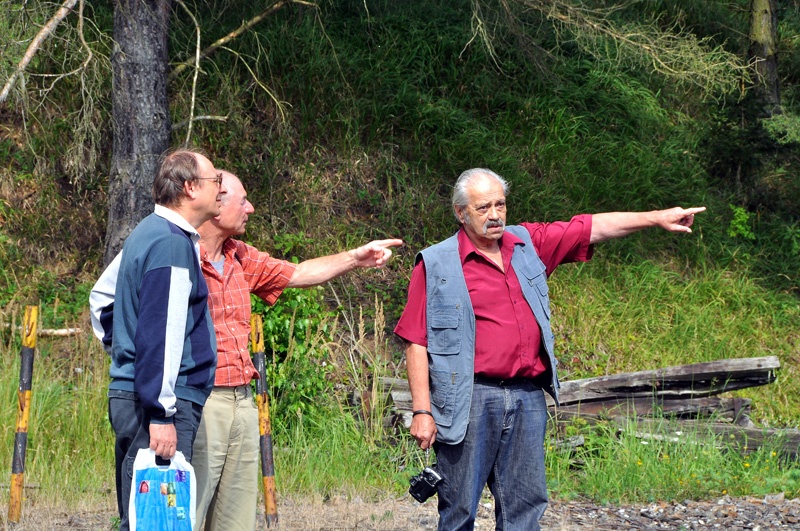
column 246, row 270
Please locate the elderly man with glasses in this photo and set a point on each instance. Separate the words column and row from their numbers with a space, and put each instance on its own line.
column 150, row 310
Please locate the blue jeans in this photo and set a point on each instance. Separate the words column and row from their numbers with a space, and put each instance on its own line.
column 504, row 447
column 132, row 429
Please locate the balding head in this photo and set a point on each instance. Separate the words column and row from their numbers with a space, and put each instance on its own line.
column 235, row 209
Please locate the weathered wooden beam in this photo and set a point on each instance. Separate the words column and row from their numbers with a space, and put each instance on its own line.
column 745, row 440
column 691, row 381
column 735, row 410
column 740, row 438
column 682, row 381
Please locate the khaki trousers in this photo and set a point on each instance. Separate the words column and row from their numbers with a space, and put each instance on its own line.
column 225, row 461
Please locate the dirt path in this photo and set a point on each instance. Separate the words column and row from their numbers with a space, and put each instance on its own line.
column 728, row 514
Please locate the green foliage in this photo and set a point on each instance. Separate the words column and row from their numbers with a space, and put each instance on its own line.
column 297, row 329
column 70, row 448
column 792, row 238
column 784, row 128
column 740, row 224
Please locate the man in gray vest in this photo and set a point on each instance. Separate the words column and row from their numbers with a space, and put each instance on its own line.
column 480, row 346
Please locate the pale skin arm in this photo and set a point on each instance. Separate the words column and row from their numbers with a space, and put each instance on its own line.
column 163, row 439
column 612, row 225
column 320, row 270
column 423, row 427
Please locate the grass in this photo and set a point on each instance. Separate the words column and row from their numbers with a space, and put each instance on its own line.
column 69, row 446
column 332, row 452
column 636, row 464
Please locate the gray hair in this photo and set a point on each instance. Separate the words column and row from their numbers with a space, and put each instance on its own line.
column 460, row 196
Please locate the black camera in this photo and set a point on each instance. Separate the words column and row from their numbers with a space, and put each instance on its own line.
column 424, row 484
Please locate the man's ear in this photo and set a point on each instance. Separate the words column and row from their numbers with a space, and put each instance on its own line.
column 459, row 213
column 190, row 189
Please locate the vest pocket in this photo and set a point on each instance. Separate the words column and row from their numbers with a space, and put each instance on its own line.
column 539, row 281
column 444, row 338
column 443, row 396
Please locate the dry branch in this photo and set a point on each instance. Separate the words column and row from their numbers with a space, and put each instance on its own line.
column 49, row 331
column 196, row 72
column 672, row 52
column 234, row 34
column 210, row 117
column 36, row 43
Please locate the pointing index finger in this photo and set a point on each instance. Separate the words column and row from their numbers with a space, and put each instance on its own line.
column 389, row 243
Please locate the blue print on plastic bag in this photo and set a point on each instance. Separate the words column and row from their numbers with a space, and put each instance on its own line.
column 163, row 499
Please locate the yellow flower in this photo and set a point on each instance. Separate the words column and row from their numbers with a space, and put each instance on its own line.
column 747, row 464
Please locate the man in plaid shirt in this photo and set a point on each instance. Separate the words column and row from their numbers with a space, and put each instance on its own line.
column 226, row 450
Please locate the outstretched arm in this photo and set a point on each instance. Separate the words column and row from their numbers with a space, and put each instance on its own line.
column 618, row 224
column 319, row 270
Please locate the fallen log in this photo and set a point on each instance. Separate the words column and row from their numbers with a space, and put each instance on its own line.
column 734, row 410
column 682, row 381
column 742, row 439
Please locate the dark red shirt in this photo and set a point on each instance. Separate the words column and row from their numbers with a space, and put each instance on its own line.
column 507, row 337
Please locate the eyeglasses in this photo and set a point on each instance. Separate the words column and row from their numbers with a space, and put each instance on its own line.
column 217, row 179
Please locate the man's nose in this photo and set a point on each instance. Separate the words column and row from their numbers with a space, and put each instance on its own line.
column 248, row 207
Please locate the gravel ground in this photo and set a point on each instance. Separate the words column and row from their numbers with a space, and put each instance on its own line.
column 404, row 514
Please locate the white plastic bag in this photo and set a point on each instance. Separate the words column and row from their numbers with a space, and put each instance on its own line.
column 162, row 497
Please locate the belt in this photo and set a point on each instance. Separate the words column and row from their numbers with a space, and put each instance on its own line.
column 500, row 382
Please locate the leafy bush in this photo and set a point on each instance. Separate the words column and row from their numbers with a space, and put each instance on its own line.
column 296, row 330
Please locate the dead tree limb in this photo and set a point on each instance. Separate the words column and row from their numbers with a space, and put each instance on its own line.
column 200, row 118
column 36, row 43
column 234, row 34
column 196, row 72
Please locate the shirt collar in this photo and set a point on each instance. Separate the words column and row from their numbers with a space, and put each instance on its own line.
column 178, row 220
column 466, row 247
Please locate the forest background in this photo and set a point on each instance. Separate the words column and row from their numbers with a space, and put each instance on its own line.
column 349, row 121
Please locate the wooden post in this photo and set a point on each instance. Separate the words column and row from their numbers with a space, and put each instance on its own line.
column 23, row 412
column 265, row 429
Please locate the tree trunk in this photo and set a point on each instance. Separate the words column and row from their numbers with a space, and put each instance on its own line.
column 140, row 113
column 763, row 54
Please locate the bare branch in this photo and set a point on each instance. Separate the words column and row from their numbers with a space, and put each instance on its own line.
column 184, row 123
column 258, row 82
column 196, row 72
column 671, row 52
column 36, row 43
column 234, row 34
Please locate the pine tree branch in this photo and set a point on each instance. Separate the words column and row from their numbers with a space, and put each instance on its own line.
column 234, row 34
column 36, row 43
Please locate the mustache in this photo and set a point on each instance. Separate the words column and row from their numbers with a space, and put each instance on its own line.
column 493, row 223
